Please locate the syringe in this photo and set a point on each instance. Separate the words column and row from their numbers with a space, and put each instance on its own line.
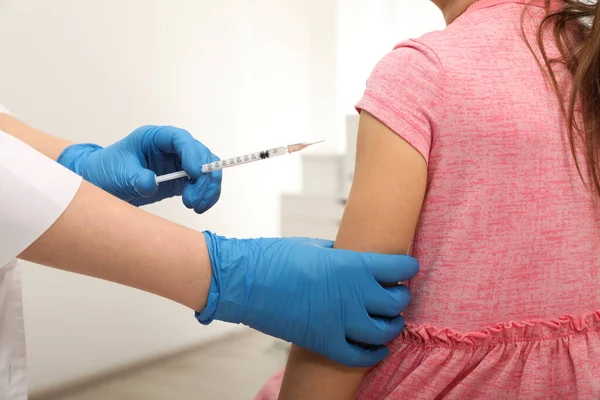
column 244, row 159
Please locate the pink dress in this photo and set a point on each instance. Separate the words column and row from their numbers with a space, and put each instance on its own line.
column 507, row 302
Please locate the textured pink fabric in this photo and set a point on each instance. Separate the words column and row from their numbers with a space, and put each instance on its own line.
column 507, row 303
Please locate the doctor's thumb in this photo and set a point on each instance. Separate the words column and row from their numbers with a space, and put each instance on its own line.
column 144, row 183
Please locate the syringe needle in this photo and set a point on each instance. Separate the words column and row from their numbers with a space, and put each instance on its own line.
column 292, row 148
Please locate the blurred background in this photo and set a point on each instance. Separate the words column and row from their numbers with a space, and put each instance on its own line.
column 240, row 75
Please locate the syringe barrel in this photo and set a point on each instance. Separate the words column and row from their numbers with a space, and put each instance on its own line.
column 244, row 159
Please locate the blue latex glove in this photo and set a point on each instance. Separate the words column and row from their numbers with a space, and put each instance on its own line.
column 305, row 292
column 127, row 169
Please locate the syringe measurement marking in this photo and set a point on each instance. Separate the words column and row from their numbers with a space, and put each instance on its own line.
column 246, row 158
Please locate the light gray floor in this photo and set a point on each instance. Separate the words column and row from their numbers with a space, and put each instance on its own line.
column 233, row 369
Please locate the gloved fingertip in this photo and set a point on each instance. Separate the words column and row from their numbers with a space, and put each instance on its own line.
column 194, row 192
column 378, row 355
column 217, row 177
column 204, row 205
column 365, row 358
column 193, row 156
column 389, row 329
column 200, row 208
column 188, row 200
column 145, row 184
column 391, row 268
column 217, row 196
column 412, row 264
column 192, row 167
column 400, row 323
column 400, row 295
column 212, row 196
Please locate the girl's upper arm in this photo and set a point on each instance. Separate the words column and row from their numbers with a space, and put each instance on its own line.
column 400, row 112
column 389, row 185
column 381, row 215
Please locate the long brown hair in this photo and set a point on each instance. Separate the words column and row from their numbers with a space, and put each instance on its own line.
column 576, row 31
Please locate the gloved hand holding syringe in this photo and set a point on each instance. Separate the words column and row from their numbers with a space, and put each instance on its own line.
column 244, row 159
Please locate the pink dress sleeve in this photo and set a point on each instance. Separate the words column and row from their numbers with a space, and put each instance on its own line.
column 406, row 93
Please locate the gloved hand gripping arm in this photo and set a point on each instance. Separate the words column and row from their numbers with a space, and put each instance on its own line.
column 303, row 291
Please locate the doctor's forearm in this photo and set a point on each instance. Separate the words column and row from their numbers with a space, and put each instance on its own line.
column 48, row 145
column 101, row 236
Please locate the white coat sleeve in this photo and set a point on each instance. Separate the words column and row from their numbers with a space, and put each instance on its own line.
column 34, row 192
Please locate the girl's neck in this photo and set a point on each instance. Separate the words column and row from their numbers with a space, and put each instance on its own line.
column 452, row 9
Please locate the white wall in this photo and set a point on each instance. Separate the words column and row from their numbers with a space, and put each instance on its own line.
column 366, row 31
column 239, row 75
